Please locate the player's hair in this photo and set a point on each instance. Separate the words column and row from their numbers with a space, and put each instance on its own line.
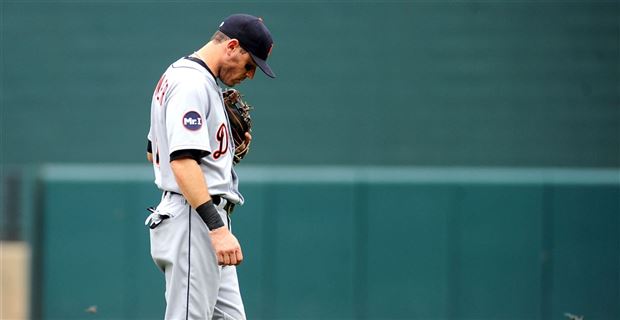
column 219, row 37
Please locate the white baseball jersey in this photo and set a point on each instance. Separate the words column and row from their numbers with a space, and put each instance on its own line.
column 187, row 112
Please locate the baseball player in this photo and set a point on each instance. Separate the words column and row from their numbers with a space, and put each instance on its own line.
column 191, row 149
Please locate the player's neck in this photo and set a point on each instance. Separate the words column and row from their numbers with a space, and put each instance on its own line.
column 209, row 55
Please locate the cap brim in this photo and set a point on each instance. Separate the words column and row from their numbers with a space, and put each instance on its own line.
column 262, row 64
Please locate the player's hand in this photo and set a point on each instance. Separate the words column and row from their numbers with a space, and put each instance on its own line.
column 246, row 144
column 226, row 247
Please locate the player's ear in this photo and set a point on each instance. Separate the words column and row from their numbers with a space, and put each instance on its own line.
column 232, row 44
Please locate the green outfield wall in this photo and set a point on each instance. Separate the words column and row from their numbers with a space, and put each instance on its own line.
column 348, row 243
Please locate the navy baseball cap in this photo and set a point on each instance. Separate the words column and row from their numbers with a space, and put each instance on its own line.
column 253, row 36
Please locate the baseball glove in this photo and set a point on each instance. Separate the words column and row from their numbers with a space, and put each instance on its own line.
column 240, row 121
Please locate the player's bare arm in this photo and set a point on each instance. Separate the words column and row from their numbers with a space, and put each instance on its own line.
column 191, row 181
column 149, row 157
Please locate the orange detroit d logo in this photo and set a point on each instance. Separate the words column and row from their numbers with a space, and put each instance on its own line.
column 222, row 138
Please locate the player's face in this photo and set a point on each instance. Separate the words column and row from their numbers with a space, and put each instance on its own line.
column 239, row 67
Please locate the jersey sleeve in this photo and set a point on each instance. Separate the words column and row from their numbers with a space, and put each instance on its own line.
column 187, row 107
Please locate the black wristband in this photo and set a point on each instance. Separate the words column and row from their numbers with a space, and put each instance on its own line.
column 208, row 212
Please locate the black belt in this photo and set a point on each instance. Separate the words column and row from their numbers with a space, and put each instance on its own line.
column 171, row 192
column 228, row 207
column 217, row 199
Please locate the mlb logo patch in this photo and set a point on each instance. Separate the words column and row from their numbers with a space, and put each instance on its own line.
column 192, row 120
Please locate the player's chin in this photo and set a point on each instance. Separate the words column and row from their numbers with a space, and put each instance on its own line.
column 230, row 83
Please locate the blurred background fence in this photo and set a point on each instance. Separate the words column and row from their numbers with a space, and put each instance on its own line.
column 341, row 243
column 413, row 159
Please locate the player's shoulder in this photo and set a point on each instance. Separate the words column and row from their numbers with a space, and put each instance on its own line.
column 184, row 70
column 183, row 67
